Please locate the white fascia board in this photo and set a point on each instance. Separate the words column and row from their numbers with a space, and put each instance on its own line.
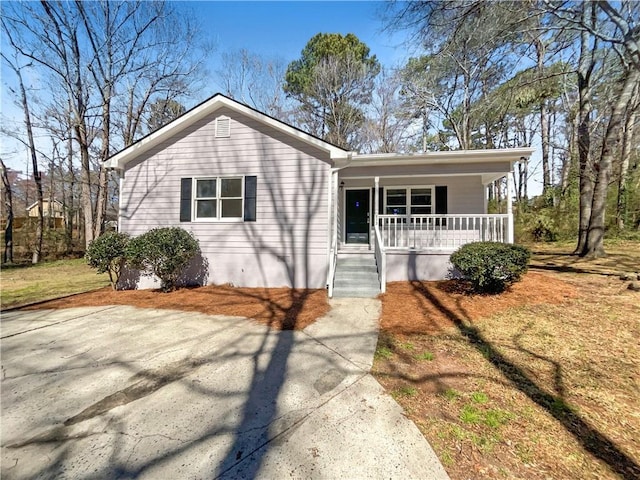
column 451, row 156
column 492, row 175
column 119, row 160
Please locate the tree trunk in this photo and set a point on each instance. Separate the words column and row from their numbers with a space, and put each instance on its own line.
column 466, row 120
column 101, row 205
column 69, row 210
column 586, row 173
column 103, row 181
column 623, row 173
column 51, row 219
column 544, row 134
column 85, row 194
column 544, row 121
column 594, row 245
column 523, row 178
column 37, row 250
column 586, row 64
column 7, row 257
column 570, row 159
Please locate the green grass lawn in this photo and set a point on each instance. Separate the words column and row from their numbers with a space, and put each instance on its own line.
column 23, row 284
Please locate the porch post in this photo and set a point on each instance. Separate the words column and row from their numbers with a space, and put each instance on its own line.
column 485, row 187
column 509, row 208
column 376, row 198
column 334, row 195
column 120, row 174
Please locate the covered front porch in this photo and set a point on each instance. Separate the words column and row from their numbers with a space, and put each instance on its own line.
column 410, row 212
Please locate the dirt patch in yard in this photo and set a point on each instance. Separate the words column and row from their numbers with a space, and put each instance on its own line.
column 280, row 308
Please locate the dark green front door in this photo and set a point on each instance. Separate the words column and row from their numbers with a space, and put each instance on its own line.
column 357, row 216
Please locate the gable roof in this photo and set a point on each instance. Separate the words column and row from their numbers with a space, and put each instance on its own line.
column 120, row 159
column 44, row 200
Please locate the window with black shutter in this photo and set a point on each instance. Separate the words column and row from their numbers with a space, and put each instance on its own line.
column 224, row 199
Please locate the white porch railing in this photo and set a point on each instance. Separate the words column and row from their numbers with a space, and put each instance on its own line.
column 381, row 259
column 419, row 232
column 333, row 260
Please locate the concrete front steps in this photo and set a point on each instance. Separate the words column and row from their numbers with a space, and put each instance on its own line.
column 356, row 275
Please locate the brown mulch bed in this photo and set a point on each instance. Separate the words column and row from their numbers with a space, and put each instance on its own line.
column 280, row 308
column 430, row 307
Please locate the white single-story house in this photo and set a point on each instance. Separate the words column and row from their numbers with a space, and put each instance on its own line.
column 274, row 206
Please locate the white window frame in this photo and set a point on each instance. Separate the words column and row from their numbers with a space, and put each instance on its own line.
column 218, row 218
column 408, row 204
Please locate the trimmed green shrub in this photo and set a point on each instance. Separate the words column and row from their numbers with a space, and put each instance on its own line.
column 490, row 266
column 163, row 252
column 107, row 254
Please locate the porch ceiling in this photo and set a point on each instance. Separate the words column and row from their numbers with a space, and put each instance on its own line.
column 487, row 178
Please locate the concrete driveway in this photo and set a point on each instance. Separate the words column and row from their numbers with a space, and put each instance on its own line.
column 120, row 392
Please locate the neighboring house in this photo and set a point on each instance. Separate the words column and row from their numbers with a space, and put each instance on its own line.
column 274, row 206
column 53, row 209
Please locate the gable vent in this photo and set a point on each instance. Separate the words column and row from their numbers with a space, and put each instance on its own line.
column 223, row 127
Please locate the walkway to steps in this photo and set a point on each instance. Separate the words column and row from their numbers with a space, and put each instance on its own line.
column 356, row 276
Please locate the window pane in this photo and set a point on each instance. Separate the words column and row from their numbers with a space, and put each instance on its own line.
column 231, row 187
column 396, row 210
column 421, row 210
column 206, row 188
column 206, row 208
column 420, row 196
column 232, row 208
column 396, row 197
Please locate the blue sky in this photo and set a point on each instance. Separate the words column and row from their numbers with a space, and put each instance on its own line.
column 283, row 28
column 271, row 29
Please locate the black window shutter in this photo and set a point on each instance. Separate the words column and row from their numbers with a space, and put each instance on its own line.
column 381, row 201
column 441, row 204
column 185, row 199
column 441, row 200
column 250, row 194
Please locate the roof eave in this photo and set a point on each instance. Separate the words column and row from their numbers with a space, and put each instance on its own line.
column 430, row 158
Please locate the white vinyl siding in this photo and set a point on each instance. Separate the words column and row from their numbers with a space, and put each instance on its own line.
column 291, row 202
